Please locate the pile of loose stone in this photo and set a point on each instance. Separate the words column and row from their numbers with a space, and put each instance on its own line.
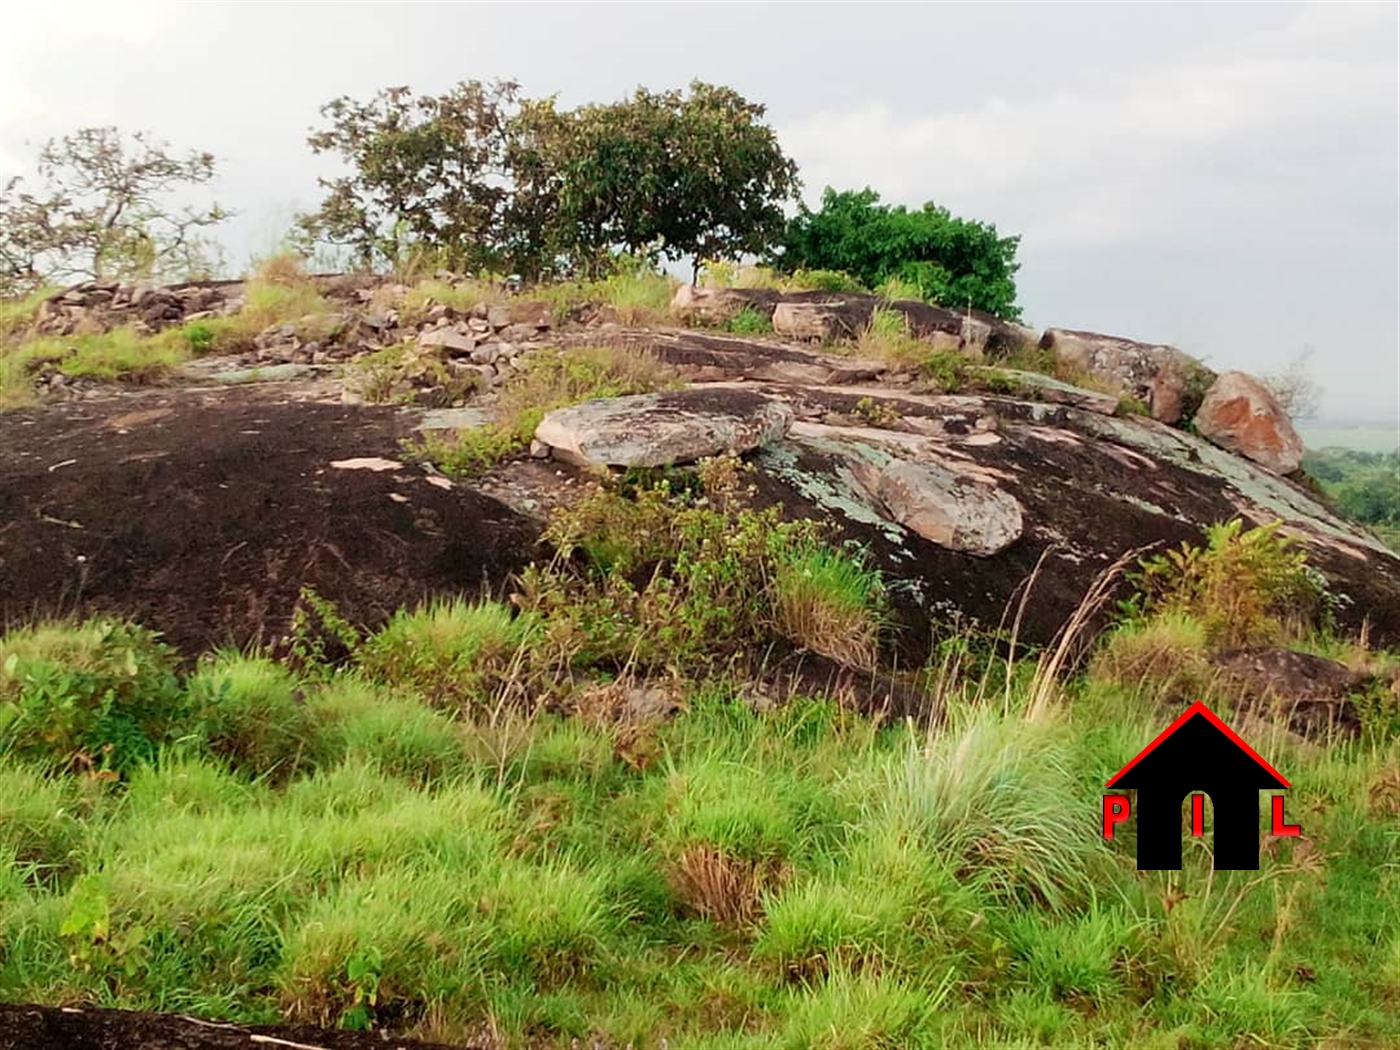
column 99, row 306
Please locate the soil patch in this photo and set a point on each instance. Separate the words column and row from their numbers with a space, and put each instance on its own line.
column 66, row 1028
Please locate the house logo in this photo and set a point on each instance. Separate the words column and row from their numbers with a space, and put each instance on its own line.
column 1198, row 755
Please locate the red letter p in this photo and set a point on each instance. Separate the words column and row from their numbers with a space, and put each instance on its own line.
column 1115, row 811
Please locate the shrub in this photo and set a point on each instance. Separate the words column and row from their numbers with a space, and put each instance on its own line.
column 681, row 573
column 450, row 651
column 251, row 712
column 946, row 370
column 101, row 694
column 955, row 262
column 1244, row 585
column 750, row 321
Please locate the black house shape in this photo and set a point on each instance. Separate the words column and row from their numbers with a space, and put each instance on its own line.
column 1198, row 752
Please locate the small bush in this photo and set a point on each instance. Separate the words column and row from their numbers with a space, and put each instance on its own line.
column 251, row 712
column 393, row 373
column 1244, row 586
column 102, row 694
column 945, row 370
column 450, row 651
column 1128, row 405
column 750, row 321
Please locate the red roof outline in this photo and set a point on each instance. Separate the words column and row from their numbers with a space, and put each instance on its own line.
column 1199, row 708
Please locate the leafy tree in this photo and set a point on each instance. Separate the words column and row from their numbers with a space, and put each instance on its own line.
column 426, row 173
column 954, row 262
column 656, row 174
column 101, row 207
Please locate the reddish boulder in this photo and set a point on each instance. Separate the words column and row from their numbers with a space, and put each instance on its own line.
column 1241, row 415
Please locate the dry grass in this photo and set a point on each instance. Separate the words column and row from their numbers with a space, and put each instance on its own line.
column 716, row 886
column 830, row 603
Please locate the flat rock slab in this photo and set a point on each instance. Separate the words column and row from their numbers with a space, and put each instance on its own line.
column 1046, row 388
column 659, row 430
column 218, row 372
column 454, row 419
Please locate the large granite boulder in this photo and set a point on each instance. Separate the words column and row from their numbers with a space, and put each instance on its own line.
column 718, row 306
column 1240, row 413
column 660, row 430
column 1163, row 378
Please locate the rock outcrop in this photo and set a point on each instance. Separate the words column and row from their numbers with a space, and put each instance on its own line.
column 959, row 497
column 99, row 306
column 1161, row 377
column 659, row 430
column 1240, row 413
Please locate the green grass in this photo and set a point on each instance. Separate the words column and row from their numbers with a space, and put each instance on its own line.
column 910, row 890
column 639, row 297
column 750, row 321
column 421, row 839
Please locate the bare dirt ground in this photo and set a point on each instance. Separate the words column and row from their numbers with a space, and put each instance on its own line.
column 60, row 1028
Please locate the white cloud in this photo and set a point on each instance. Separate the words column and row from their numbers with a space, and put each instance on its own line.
column 1120, row 162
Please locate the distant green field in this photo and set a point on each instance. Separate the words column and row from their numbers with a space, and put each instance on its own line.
column 1371, row 437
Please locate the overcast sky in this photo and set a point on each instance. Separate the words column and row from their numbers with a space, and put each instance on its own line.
column 1222, row 177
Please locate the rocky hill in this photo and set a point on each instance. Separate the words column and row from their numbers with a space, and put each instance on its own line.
column 988, row 468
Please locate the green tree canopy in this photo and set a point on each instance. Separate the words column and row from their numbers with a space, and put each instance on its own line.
column 486, row 178
column 954, row 262
column 425, row 173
